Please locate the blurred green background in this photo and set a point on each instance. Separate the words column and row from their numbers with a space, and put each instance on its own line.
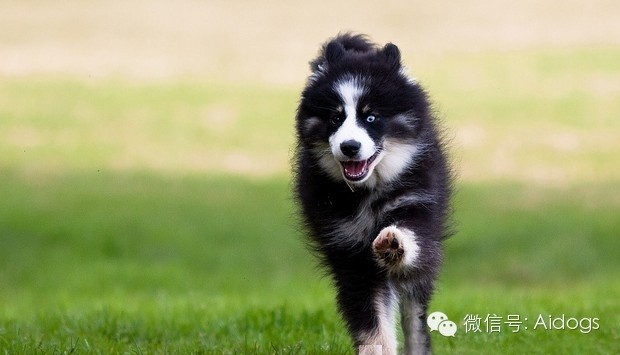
column 145, row 195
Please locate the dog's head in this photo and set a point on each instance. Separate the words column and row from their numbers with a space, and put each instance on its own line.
column 359, row 113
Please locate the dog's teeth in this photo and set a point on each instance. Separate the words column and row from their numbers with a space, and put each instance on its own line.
column 355, row 169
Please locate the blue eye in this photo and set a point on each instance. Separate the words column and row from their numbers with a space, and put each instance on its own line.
column 370, row 119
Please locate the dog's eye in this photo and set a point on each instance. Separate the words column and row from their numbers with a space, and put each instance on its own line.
column 335, row 119
column 370, row 118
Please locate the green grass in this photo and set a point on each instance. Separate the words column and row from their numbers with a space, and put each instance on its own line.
column 141, row 263
column 157, row 217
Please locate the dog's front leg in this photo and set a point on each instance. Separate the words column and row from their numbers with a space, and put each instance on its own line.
column 380, row 337
column 367, row 301
column 396, row 249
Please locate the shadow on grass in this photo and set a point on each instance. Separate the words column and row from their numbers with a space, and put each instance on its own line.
column 221, row 255
column 232, row 235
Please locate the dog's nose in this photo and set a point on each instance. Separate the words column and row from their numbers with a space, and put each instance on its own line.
column 350, row 147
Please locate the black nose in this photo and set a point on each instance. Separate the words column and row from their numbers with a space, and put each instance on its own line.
column 350, row 148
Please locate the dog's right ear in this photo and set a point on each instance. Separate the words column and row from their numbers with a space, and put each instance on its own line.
column 334, row 51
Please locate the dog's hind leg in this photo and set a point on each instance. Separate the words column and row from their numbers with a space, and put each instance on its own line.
column 413, row 311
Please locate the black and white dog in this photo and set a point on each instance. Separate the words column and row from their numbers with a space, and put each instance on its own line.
column 374, row 187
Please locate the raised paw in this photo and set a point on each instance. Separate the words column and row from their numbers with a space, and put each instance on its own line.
column 387, row 246
column 395, row 248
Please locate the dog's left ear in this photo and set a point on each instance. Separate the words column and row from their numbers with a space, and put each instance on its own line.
column 392, row 54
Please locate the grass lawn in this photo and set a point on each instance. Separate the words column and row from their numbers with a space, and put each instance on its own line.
column 157, row 217
column 140, row 263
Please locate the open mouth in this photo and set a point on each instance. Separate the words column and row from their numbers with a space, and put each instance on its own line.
column 356, row 170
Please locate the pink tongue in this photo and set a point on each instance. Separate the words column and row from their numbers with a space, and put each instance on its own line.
column 354, row 168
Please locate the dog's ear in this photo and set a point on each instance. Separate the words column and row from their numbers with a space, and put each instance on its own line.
column 334, row 51
column 392, row 54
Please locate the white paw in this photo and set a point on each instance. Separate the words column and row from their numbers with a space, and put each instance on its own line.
column 395, row 248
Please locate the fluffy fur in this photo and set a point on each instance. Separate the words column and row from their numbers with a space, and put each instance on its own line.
column 374, row 186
